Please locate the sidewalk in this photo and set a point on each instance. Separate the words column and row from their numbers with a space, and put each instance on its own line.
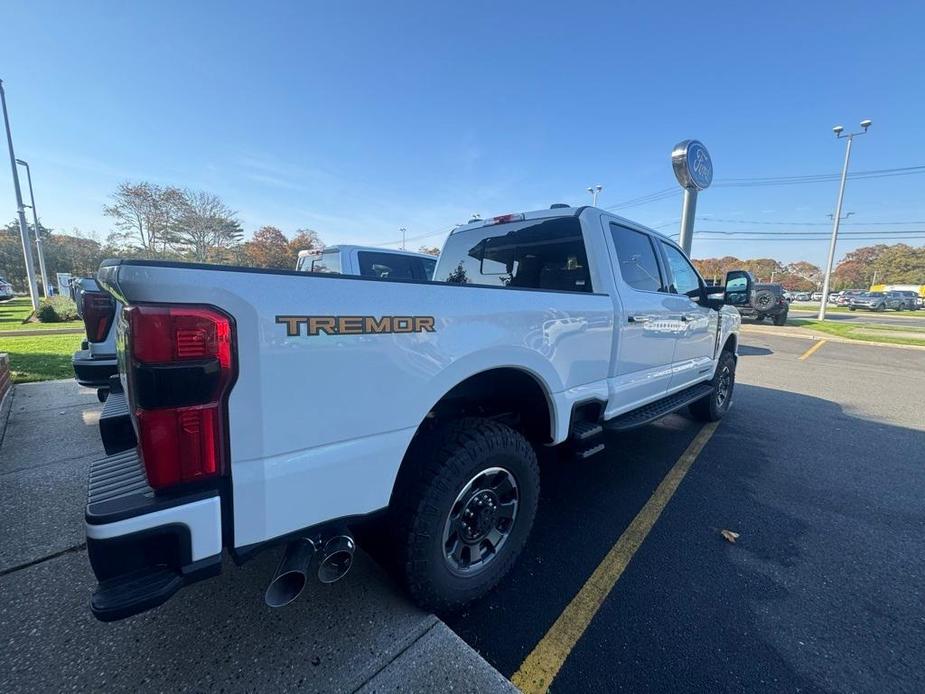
column 360, row 634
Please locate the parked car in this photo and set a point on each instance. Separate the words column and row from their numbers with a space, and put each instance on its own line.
column 844, row 299
column 802, row 296
column 769, row 302
column 877, row 301
column 6, row 290
column 368, row 261
column 911, row 300
column 277, row 406
column 816, row 296
column 95, row 362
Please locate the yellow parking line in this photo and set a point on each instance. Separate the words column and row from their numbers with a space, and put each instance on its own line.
column 539, row 669
column 812, row 350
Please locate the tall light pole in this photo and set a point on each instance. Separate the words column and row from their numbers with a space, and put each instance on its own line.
column 38, row 236
column 595, row 191
column 403, row 230
column 23, row 227
column 836, row 218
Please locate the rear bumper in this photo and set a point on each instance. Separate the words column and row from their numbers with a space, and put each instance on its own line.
column 93, row 372
column 143, row 547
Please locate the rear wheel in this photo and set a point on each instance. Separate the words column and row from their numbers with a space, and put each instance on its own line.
column 463, row 511
column 716, row 404
column 780, row 318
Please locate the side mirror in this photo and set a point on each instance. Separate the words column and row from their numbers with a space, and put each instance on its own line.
column 738, row 291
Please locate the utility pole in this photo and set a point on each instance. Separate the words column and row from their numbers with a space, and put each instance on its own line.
column 38, row 237
column 23, row 226
column 403, row 230
column 836, row 218
column 595, row 191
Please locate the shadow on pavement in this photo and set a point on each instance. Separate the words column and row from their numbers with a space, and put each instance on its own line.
column 821, row 592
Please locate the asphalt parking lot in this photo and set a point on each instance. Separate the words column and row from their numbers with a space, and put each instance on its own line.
column 818, row 468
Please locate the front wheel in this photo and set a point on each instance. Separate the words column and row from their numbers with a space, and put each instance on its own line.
column 462, row 513
column 712, row 407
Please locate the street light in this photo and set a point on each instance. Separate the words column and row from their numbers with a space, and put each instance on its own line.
column 836, row 218
column 38, row 236
column 595, row 191
column 21, row 212
column 403, row 230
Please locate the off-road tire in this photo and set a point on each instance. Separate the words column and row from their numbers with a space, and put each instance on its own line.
column 780, row 318
column 709, row 409
column 765, row 298
column 442, row 463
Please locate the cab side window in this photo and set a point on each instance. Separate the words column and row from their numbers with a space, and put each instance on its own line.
column 637, row 259
column 686, row 279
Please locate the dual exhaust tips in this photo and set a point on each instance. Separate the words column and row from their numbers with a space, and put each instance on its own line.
column 335, row 557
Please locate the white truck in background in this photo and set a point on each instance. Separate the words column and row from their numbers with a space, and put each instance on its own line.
column 368, row 261
column 265, row 406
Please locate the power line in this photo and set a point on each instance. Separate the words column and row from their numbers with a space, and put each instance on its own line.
column 824, row 224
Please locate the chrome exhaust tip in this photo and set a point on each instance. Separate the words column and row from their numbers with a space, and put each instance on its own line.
column 336, row 558
column 292, row 574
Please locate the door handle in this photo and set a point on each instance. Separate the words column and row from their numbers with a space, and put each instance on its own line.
column 641, row 318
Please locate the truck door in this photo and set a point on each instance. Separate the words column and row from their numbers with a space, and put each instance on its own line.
column 693, row 357
column 646, row 319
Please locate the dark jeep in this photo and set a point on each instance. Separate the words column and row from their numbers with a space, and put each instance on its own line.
column 769, row 302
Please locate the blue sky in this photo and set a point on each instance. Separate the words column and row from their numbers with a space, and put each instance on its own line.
column 357, row 119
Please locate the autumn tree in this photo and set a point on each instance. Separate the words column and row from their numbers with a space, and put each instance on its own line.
column 205, row 228
column 304, row 240
column 145, row 215
column 429, row 250
column 269, row 248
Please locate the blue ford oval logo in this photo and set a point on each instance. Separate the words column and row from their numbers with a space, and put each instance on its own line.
column 692, row 165
column 699, row 165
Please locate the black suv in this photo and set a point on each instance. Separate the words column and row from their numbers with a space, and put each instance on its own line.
column 769, row 303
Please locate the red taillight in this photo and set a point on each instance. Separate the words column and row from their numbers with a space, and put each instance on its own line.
column 98, row 311
column 178, row 391
column 165, row 334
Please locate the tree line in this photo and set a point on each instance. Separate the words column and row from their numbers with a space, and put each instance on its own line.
column 158, row 222
column 881, row 264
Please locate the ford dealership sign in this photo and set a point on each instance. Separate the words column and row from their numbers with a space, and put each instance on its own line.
column 692, row 165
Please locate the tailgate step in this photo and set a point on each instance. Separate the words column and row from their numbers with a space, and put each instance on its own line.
column 116, row 428
column 659, row 408
column 134, row 592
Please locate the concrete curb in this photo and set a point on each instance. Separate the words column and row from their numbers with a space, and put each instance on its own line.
column 809, row 335
column 41, row 331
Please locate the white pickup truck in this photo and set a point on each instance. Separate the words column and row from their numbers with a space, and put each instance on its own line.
column 368, row 261
column 282, row 406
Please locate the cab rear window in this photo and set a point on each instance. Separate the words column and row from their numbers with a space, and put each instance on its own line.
column 543, row 254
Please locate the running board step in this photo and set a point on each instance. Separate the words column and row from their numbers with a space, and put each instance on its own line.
column 659, row 408
column 584, row 453
column 582, row 431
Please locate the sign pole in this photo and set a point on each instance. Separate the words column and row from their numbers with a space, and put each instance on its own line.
column 688, row 210
column 694, row 170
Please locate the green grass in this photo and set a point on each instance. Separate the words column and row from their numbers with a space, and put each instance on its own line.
column 40, row 357
column 864, row 332
column 15, row 311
